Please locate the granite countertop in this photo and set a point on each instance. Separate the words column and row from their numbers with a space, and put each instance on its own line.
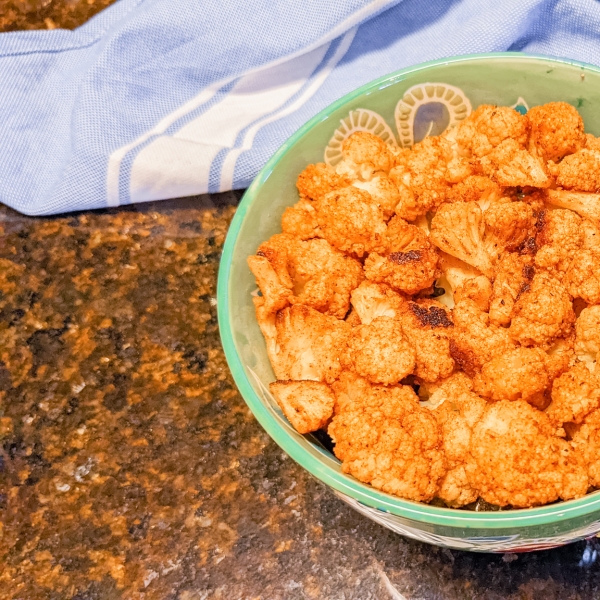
column 130, row 466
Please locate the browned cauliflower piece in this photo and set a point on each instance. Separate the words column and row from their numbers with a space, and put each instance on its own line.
column 542, row 312
column 511, row 165
column 516, row 460
column 458, row 230
column 266, row 321
column 591, row 235
column 383, row 191
column 584, row 204
column 575, row 394
column 420, row 175
column 587, row 441
column 579, row 171
column 317, row 180
column 349, row 390
column 457, row 413
column 556, row 130
column 372, row 300
column 519, row 374
column 300, row 220
column 475, row 188
column 427, row 325
column 582, row 279
column 310, row 272
column 308, row 405
column 389, row 441
column 507, row 226
column 560, row 354
column 409, row 263
column 351, row 221
column 559, row 239
column 364, row 156
column 474, row 341
column 587, row 336
column 488, row 126
column 460, row 280
column 310, row 345
column 514, row 273
column 380, row 352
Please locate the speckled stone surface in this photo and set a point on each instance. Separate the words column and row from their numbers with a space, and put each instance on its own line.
column 130, row 467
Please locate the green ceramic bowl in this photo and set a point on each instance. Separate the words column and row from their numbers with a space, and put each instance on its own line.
column 509, row 79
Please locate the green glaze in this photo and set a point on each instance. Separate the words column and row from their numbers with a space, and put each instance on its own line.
column 485, row 79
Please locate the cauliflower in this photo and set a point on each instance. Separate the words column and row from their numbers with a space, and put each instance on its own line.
column 474, row 341
column 542, row 312
column 591, row 235
column 514, row 273
column 475, row 188
column 364, row 156
column 579, row 171
column 488, row 126
column 372, row 300
column 308, row 405
column 427, row 325
column 582, row 280
column 457, row 413
column 383, row 191
column 410, row 261
column 575, row 394
column 351, row 220
column 559, row 238
column 516, row 460
column 380, row 352
column 507, row 226
column 458, row 229
column 584, row 204
column 518, row 374
column 556, row 130
column 317, row 180
column 587, row 336
column 266, row 321
column 510, row 165
column 309, row 345
column 460, row 280
column 420, row 175
column 559, row 355
column 389, row 441
column 587, row 441
column 300, row 220
column 291, row 271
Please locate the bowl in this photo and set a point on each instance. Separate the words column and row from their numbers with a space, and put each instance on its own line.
column 407, row 104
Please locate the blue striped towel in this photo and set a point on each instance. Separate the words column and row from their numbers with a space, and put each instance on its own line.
column 156, row 99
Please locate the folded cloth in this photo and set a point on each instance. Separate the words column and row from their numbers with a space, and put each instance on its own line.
column 156, row 99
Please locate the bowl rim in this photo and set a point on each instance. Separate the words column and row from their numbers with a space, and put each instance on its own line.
column 346, row 484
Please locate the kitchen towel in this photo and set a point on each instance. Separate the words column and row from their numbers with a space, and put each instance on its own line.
column 155, row 99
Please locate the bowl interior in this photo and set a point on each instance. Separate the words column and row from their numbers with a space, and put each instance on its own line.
column 503, row 79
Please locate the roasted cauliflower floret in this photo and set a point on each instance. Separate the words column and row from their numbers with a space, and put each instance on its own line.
column 420, row 175
column 579, row 171
column 559, row 239
column 409, row 263
column 488, row 126
column 372, row 300
column 516, row 460
column 309, row 272
column 514, row 273
column 575, row 394
column 317, row 180
column 542, row 313
column 383, row 191
column 475, row 188
column 308, row 405
column 584, row 204
column 457, row 414
column 460, row 280
column 582, row 279
column 310, row 345
column 511, row 165
column 458, row 230
column 351, row 221
column 556, row 130
column 364, row 156
column 507, row 226
column 518, row 374
column 389, row 441
column 300, row 220
column 427, row 325
column 380, row 352
column 587, row 336
column 560, row 354
column 587, row 441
